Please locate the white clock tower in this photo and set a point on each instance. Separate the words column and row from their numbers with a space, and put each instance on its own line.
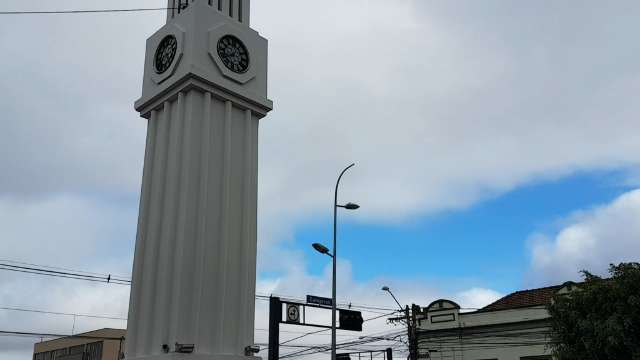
column 204, row 92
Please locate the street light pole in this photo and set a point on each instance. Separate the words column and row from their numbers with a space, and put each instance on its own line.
column 335, row 256
column 324, row 250
column 386, row 288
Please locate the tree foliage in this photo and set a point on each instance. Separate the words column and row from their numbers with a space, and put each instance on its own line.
column 601, row 318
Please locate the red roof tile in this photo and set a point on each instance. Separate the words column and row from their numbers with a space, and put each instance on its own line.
column 524, row 298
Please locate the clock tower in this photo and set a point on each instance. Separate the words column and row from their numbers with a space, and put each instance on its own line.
column 204, row 92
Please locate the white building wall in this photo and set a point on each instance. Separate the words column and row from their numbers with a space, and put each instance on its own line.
column 503, row 345
column 512, row 334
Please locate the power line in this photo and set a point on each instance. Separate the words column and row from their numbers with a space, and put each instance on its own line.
column 344, row 346
column 121, row 280
column 60, row 276
column 343, row 304
column 452, row 343
column 49, row 335
column 91, row 11
column 60, row 268
column 60, row 313
column 323, row 330
column 76, row 274
column 302, row 332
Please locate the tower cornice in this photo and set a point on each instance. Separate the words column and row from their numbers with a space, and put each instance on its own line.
column 191, row 80
column 209, row 49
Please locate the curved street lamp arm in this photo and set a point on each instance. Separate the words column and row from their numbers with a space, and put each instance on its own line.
column 338, row 182
column 335, row 254
column 394, row 298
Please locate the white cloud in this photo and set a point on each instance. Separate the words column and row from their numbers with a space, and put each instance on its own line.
column 68, row 230
column 78, row 232
column 440, row 108
column 591, row 240
column 440, row 104
column 477, row 298
column 69, row 86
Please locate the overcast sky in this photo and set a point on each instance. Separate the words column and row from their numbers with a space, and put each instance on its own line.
column 496, row 143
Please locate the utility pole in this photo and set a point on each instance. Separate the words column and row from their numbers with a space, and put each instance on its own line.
column 412, row 324
column 408, row 317
column 413, row 339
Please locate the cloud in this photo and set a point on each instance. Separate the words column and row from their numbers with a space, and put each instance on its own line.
column 70, row 230
column 77, row 232
column 591, row 240
column 440, row 105
column 477, row 298
column 68, row 119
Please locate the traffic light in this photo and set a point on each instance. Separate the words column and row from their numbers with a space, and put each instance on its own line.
column 389, row 354
column 351, row 320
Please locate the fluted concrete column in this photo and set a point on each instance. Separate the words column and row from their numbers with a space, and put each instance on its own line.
column 194, row 270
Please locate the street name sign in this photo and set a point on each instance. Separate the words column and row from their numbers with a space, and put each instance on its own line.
column 322, row 301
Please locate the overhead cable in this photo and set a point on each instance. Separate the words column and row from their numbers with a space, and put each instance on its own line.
column 89, row 11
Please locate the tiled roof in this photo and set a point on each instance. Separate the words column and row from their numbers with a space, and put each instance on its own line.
column 524, row 298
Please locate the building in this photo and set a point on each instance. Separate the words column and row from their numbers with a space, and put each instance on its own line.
column 515, row 327
column 103, row 344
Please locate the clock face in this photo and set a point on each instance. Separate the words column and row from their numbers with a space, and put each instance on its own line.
column 165, row 54
column 233, row 53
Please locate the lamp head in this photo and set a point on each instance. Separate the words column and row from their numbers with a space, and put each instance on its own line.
column 320, row 248
column 385, row 288
column 352, row 206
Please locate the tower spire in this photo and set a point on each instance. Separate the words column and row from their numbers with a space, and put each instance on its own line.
column 235, row 9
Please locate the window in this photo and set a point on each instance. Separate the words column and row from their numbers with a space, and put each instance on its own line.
column 60, row 353
column 48, row 355
column 79, row 349
column 93, row 351
column 442, row 318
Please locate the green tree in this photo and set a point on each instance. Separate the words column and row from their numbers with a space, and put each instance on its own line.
column 601, row 318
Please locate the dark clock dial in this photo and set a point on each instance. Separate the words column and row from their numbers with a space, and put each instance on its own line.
column 233, row 53
column 165, row 54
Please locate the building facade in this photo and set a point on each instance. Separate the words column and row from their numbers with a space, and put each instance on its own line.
column 103, row 344
column 515, row 327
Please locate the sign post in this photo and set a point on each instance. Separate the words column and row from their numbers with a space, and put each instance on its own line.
column 349, row 319
column 275, row 316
